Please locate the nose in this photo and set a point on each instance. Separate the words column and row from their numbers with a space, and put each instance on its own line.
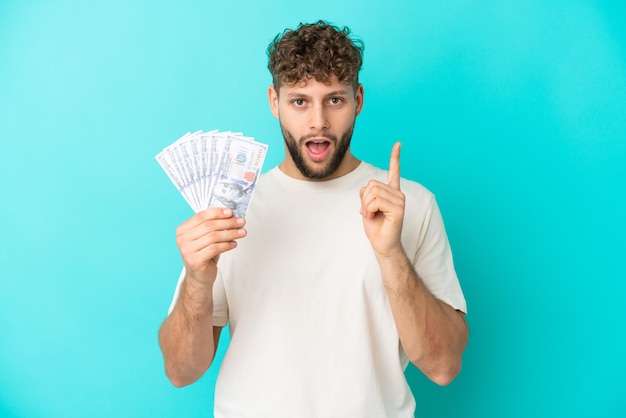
column 318, row 118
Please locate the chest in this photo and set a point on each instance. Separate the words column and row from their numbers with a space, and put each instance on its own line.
column 301, row 255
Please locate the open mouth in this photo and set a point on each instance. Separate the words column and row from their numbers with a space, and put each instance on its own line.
column 318, row 148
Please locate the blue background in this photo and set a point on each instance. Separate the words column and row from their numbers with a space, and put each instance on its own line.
column 512, row 112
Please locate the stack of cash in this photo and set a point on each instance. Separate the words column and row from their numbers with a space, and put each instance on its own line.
column 214, row 169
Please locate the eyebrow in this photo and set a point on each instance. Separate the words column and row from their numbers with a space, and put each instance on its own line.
column 338, row 93
column 332, row 93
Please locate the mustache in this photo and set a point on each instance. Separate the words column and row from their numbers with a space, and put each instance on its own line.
column 330, row 137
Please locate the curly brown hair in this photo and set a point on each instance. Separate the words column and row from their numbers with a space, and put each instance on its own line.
column 316, row 50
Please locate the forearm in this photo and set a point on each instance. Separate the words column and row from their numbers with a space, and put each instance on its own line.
column 433, row 334
column 186, row 336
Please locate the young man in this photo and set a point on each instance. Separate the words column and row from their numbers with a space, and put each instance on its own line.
column 340, row 275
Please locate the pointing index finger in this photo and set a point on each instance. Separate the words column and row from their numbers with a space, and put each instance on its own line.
column 394, row 167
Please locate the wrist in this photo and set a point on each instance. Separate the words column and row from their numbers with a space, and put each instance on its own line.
column 201, row 278
column 199, row 283
column 395, row 267
column 197, row 294
column 392, row 255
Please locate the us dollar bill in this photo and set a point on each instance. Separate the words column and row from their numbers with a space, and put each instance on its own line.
column 214, row 169
column 238, row 170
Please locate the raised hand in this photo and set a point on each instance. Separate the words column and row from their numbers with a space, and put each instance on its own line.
column 203, row 237
column 382, row 208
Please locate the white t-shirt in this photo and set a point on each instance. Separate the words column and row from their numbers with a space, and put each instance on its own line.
column 312, row 334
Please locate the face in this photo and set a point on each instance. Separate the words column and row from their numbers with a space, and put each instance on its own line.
column 226, row 190
column 317, row 120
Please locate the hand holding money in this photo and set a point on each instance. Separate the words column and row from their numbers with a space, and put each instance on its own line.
column 216, row 173
column 203, row 237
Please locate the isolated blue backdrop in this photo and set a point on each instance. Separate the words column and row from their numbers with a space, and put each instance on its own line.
column 512, row 112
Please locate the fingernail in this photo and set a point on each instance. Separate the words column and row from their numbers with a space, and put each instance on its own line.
column 240, row 221
column 227, row 212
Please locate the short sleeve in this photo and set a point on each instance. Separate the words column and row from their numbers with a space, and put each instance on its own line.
column 433, row 260
column 220, row 303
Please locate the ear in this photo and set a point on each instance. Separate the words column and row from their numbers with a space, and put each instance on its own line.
column 272, row 96
column 358, row 98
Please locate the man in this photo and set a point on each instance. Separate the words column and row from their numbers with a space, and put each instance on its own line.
column 325, row 306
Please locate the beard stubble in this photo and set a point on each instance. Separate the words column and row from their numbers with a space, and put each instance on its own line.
column 341, row 147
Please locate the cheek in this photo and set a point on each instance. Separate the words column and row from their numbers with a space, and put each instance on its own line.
column 344, row 121
column 291, row 120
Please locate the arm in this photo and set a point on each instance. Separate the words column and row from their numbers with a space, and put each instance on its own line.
column 433, row 334
column 187, row 337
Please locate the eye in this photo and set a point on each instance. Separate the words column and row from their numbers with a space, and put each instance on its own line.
column 336, row 100
column 298, row 102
